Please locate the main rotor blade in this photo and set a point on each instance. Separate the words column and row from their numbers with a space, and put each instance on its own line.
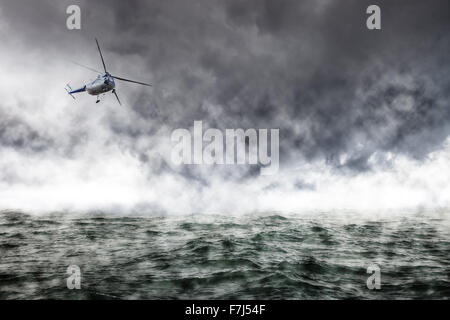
column 101, row 56
column 123, row 79
column 89, row 68
column 115, row 93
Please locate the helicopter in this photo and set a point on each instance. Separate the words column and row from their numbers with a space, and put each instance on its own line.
column 102, row 84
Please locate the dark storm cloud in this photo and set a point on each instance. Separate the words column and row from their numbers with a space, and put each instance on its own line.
column 20, row 135
column 15, row 133
column 310, row 68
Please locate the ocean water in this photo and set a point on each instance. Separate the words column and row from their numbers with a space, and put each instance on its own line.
column 259, row 256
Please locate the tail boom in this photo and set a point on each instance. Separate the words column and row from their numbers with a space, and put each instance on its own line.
column 70, row 91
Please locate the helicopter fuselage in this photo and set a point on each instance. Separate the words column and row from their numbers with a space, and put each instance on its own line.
column 101, row 85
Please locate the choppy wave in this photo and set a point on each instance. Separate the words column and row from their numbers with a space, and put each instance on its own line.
column 261, row 256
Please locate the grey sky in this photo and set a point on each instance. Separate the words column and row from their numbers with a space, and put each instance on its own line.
column 309, row 68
